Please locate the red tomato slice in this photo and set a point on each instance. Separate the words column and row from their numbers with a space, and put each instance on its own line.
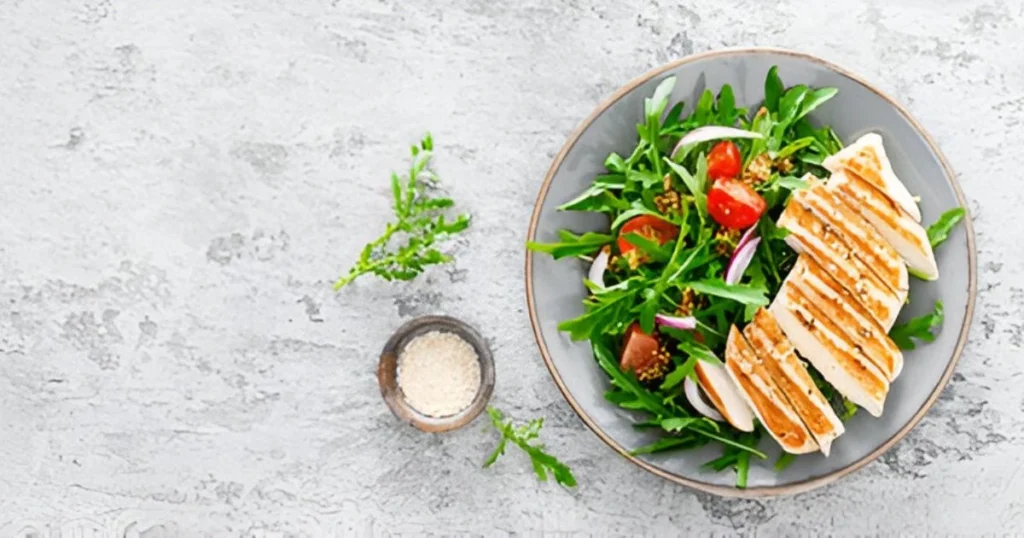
column 724, row 161
column 734, row 204
column 640, row 351
column 648, row 226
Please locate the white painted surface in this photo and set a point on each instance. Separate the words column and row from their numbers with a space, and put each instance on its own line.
column 183, row 180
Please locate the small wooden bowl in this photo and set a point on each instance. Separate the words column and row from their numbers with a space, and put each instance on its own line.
column 387, row 373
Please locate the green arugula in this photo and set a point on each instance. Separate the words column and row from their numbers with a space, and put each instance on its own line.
column 921, row 328
column 419, row 216
column 572, row 244
column 939, row 230
column 739, row 293
column 684, row 276
column 684, row 442
column 785, row 460
column 543, row 463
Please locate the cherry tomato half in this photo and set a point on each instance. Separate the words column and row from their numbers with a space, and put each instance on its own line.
column 640, row 351
column 648, row 226
column 724, row 161
column 734, row 204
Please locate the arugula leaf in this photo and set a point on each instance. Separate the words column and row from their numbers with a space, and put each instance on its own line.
column 543, row 463
column 699, row 351
column 628, row 383
column 814, row 99
column 652, row 248
column 636, row 210
column 419, row 217
column 646, row 178
column 772, row 89
column 920, row 328
column 666, row 443
column 738, row 293
column 674, row 378
column 694, row 184
column 572, row 245
column 742, row 469
column 792, row 183
column 723, row 462
column 678, row 424
column 939, row 230
column 599, row 196
column 726, row 106
column 704, row 111
column 849, row 409
column 608, row 311
column 614, row 163
column 596, row 199
column 735, row 444
column 785, row 460
column 790, row 104
column 672, row 118
column 795, row 146
column 655, row 105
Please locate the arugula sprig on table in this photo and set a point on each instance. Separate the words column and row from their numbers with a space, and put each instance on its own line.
column 543, row 463
column 421, row 218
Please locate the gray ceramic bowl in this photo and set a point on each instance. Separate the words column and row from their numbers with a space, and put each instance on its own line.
column 554, row 289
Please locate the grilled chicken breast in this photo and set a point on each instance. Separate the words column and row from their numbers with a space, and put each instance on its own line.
column 809, row 235
column 858, row 234
column 764, row 397
column 895, row 225
column 836, row 303
column 822, row 342
column 724, row 395
column 866, row 159
column 790, row 375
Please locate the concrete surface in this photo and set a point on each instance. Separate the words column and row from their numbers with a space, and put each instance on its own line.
column 182, row 180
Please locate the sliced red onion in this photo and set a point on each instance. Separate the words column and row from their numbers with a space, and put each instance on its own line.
column 596, row 274
column 712, row 132
column 688, row 323
column 696, row 399
column 741, row 258
column 746, row 236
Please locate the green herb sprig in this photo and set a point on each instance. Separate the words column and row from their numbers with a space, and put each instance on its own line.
column 420, row 217
column 543, row 463
column 921, row 328
column 939, row 230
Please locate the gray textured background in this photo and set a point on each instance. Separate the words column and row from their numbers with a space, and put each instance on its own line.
column 183, row 180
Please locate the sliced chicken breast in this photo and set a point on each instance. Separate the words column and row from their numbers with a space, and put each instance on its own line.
column 764, row 397
column 790, row 375
column 866, row 158
column 822, row 342
column 724, row 395
column 812, row 281
column 902, row 232
column 809, row 235
column 858, row 234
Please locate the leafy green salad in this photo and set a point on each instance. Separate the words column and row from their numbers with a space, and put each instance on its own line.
column 692, row 249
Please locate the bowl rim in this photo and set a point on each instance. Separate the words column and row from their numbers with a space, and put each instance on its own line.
column 761, row 491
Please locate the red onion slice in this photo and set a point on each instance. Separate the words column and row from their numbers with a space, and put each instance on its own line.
column 740, row 261
column 688, row 323
column 712, row 132
column 746, row 236
column 696, row 399
column 596, row 273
